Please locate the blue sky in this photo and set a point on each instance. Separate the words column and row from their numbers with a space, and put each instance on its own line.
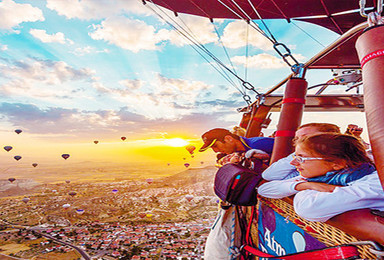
column 79, row 70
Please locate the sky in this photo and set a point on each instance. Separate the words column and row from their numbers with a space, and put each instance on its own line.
column 72, row 72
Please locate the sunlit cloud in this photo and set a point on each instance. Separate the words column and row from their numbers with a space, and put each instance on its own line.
column 235, row 36
column 13, row 14
column 96, row 9
column 49, row 38
column 3, row 47
column 260, row 61
column 88, row 50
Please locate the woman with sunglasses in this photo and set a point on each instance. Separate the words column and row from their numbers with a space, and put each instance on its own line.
column 335, row 176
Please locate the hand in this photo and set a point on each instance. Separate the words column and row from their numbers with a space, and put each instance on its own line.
column 256, row 153
column 318, row 186
column 355, row 130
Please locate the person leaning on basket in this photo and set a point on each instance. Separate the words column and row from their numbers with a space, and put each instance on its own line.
column 336, row 176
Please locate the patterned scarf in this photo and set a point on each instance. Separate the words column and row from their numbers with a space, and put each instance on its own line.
column 345, row 176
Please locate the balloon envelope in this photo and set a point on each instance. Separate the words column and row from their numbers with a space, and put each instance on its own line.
column 123, row 138
column 149, row 215
column 18, row 131
column 149, row 180
column 25, row 200
column 189, row 197
column 8, row 148
column 66, row 206
column 67, row 181
column 65, row 156
column 17, row 157
column 190, row 148
column 114, row 190
column 79, row 211
column 11, row 179
column 186, row 165
column 142, row 215
column 96, row 142
column 72, row 193
column 34, row 164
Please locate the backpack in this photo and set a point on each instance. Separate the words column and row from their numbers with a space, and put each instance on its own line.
column 236, row 184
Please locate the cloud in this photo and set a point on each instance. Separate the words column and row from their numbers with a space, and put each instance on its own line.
column 88, row 50
column 96, row 9
column 133, row 35
column 48, row 38
column 260, row 61
column 13, row 14
column 3, row 47
column 235, row 36
column 40, row 78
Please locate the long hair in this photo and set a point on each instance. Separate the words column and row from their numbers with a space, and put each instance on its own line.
column 333, row 146
column 323, row 127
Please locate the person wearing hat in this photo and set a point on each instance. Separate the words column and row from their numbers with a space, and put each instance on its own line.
column 221, row 140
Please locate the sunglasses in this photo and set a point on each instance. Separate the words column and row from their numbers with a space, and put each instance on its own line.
column 301, row 159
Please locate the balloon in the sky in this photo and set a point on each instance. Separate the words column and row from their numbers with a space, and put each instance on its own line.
column 114, row 191
column 184, row 158
column 168, row 164
column 189, row 197
column 54, row 191
column 186, row 165
column 72, row 193
column 65, row 206
column 96, row 142
column 149, row 180
column 201, row 162
column 65, row 156
column 79, row 211
column 123, row 138
column 142, row 215
column 17, row 157
column 149, row 215
column 18, row 131
column 34, row 164
column 8, row 148
column 192, row 156
column 67, row 181
column 190, row 148
column 25, row 200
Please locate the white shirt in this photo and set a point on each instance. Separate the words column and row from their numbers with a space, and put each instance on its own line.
column 280, row 170
column 321, row 206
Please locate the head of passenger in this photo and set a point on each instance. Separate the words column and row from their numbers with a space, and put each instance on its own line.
column 315, row 128
column 221, row 141
column 315, row 155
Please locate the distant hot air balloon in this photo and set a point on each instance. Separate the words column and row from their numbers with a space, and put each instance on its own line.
column 18, row 131
column 149, row 215
column 25, row 200
column 65, row 156
column 8, row 148
column 11, row 179
column 142, row 215
column 34, row 164
column 54, row 191
column 184, row 158
column 186, row 165
column 201, row 162
column 17, row 157
column 189, row 197
column 190, row 148
column 67, row 181
column 192, row 156
column 79, row 211
column 168, row 164
column 96, row 142
column 149, row 180
column 72, row 193
column 65, row 206
column 123, row 138
column 114, row 191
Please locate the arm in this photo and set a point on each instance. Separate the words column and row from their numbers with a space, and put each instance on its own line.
column 314, row 205
column 318, row 186
column 280, row 170
column 279, row 189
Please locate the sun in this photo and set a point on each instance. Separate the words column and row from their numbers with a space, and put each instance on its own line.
column 175, row 142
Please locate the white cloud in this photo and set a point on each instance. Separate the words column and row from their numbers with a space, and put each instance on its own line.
column 13, row 14
column 88, row 50
column 133, row 35
column 48, row 38
column 3, row 47
column 260, row 61
column 96, row 9
column 235, row 36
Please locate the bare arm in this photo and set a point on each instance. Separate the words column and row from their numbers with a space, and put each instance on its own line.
column 318, row 186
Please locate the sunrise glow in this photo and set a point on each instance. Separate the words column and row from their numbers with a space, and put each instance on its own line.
column 175, row 142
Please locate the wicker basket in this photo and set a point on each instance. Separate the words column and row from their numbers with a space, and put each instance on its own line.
column 325, row 233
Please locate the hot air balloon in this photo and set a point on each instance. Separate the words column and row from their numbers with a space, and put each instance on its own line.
column 201, row 162
column 65, row 156
column 190, row 148
column 168, row 164
column 17, row 157
column 72, row 193
column 79, row 211
column 54, row 191
column 25, row 200
column 149, row 215
column 189, row 197
column 8, row 148
column 67, row 181
column 114, row 191
column 96, row 142
column 18, row 131
column 186, row 165
column 123, row 138
column 65, row 206
column 184, row 158
column 149, row 180
column 11, row 179
column 34, row 164
column 142, row 215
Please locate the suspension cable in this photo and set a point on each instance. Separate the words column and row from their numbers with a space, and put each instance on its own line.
column 246, row 54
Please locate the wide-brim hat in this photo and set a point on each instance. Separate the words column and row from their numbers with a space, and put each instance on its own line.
column 210, row 137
